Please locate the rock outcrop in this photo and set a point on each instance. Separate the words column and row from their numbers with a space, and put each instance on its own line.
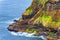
column 41, row 18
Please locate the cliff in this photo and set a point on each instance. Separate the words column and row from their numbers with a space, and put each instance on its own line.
column 42, row 17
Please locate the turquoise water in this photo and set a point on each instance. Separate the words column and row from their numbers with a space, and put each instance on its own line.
column 10, row 10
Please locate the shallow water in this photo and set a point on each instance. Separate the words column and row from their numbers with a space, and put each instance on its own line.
column 10, row 10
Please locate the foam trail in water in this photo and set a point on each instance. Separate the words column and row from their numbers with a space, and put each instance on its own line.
column 26, row 34
column 13, row 33
column 43, row 37
column 22, row 34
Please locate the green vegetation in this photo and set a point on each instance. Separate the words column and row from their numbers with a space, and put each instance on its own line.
column 42, row 2
column 47, row 21
column 34, row 31
column 31, row 30
column 41, row 15
column 51, row 34
column 28, row 11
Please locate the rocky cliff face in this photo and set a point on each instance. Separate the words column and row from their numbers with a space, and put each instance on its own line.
column 42, row 17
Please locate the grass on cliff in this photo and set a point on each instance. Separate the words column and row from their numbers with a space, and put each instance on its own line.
column 28, row 11
column 42, row 2
column 31, row 30
column 47, row 21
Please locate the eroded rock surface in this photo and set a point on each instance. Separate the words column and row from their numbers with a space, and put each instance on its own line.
column 41, row 19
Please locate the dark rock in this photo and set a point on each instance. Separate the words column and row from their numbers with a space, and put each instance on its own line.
column 58, row 33
column 15, row 20
column 27, row 21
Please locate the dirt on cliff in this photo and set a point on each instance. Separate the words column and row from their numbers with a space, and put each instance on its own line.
column 40, row 18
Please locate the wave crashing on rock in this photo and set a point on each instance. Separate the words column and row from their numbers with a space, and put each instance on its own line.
column 26, row 34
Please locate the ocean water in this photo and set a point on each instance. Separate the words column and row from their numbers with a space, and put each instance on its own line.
column 9, row 11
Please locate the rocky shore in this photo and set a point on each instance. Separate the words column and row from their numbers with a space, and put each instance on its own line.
column 41, row 18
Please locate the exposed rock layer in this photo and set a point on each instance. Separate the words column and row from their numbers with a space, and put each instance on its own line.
column 40, row 18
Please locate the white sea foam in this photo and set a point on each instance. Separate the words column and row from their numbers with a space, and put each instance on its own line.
column 26, row 34
column 13, row 33
column 43, row 37
column 22, row 34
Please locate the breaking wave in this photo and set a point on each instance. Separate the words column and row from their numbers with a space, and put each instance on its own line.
column 25, row 34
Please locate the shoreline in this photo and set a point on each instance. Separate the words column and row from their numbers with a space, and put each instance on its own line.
column 25, row 34
column 40, row 19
